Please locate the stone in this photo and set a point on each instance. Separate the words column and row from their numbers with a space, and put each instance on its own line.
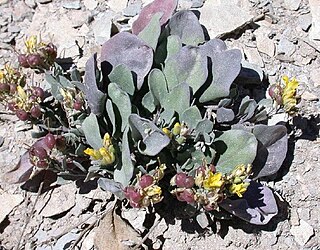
column 132, row 9
column 90, row 4
column 308, row 96
column 71, row 4
column 292, row 4
column 302, row 233
column 31, row 3
column 1, row 141
column 102, row 27
column 253, row 56
column 305, row 21
column 223, row 18
column 43, row 1
column 8, row 203
column 286, row 47
column 3, row 2
column 315, row 77
column 14, row 29
column 117, row 5
column 315, row 12
column 62, row 200
column 264, row 44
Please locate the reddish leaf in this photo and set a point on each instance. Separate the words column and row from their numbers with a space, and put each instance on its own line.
column 23, row 170
column 167, row 7
column 129, row 50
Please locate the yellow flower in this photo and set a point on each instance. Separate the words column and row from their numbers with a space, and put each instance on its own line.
column 167, row 132
column 154, row 190
column 105, row 154
column 176, row 128
column 31, row 44
column 22, row 94
column 289, row 94
column 213, row 181
column 238, row 189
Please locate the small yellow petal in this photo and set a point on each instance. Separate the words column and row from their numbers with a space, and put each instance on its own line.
column 106, row 140
column 213, row 181
column 154, row 190
column 22, row 94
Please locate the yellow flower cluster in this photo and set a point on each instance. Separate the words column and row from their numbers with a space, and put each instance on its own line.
column 33, row 44
column 105, row 154
column 289, row 98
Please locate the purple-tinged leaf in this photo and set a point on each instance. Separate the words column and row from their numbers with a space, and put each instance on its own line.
column 189, row 66
column 150, row 34
column 226, row 65
column 23, row 171
column 257, row 206
column 95, row 98
column 153, row 138
column 185, row 24
column 129, row 50
column 167, row 7
column 272, row 149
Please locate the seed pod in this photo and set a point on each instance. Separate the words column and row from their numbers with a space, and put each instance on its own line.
column 39, row 92
column 186, row 195
column 4, row 87
column 180, row 179
column 35, row 111
column 146, row 181
column 60, row 143
column 50, row 140
column 12, row 106
column 22, row 115
column 39, row 152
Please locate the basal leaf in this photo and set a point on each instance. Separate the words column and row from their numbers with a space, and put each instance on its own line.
column 122, row 76
column 148, row 102
column 95, row 98
column 178, row 99
column 235, row 147
column 272, row 149
column 124, row 169
column 153, row 139
column 185, row 24
column 189, row 66
column 111, row 186
column 174, row 45
column 122, row 100
column 257, row 206
column 91, row 131
column 129, row 50
column 157, row 85
column 167, row 7
column 224, row 115
column 191, row 116
column 150, row 34
column 24, row 170
column 226, row 65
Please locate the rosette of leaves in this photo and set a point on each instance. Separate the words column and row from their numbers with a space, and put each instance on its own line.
column 167, row 95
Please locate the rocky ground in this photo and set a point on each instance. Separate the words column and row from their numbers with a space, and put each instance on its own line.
column 281, row 37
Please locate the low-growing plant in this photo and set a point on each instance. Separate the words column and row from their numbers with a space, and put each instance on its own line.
column 166, row 114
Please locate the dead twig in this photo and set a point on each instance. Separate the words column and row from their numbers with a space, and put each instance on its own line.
column 28, row 218
column 147, row 235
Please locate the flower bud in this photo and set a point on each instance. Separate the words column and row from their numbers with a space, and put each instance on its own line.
column 22, row 59
column 22, row 115
column 186, row 195
column 176, row 129
column 146, row 181
column 77, row 105
column 275, row 92
column 4, row 87
column 34, row 60
column 13, row 88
